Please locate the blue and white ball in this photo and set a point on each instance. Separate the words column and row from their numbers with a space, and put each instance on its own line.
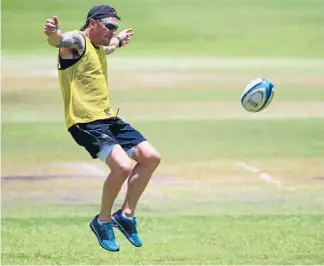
column 257, row 95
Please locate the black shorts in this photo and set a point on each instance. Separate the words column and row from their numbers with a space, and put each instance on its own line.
column 106, row 132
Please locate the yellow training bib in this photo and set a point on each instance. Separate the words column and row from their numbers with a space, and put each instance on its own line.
column 84, row 87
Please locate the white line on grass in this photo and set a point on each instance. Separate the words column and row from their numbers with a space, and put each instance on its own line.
column 46, row 65
column 265, row 177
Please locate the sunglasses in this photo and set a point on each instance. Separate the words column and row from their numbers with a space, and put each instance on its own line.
column 109, row 26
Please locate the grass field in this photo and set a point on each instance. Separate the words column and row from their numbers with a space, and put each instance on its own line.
column 233, row 187
column 293, row 28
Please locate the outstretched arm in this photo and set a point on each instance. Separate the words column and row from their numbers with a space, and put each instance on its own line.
column 51, row 30
column 121, row 40
column 69, row 40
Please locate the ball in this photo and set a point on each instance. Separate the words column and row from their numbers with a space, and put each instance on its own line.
column 257, row 95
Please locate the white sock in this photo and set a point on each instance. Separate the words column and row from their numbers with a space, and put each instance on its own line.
column 130, row 218
column 100, row 222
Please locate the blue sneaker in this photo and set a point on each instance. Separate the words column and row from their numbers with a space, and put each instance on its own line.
column 127, row 226
column 105, row 235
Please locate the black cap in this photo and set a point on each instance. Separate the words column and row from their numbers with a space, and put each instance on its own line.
column 100, row 12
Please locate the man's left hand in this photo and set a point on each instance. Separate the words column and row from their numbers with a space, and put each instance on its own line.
column 124, row 37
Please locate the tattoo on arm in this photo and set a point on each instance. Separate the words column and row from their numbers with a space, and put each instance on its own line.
column 73, row 40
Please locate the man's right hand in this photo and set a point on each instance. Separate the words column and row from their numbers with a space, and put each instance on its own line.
column 51, row 26
column 67, row 42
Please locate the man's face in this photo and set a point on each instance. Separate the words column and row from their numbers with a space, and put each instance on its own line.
column 105, row 29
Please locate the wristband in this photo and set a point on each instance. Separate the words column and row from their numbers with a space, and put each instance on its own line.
column 120, row 42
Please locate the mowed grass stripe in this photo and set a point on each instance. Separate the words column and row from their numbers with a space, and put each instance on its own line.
column 280, row 239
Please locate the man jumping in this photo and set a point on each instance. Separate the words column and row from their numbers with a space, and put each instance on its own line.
column 92, row 122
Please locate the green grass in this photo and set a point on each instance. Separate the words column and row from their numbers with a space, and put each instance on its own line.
column 217, row 139
column 36, row 231
column 223, row 239
column 200, row 207
column 196, row 93
column 217, row 93
column 292, row 28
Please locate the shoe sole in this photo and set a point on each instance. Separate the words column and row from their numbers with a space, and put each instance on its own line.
column 95, row 232
column 123, row 231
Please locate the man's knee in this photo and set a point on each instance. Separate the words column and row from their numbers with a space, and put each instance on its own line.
column 119, row 163
column 154, row 158
column 151, row 158
column 123, row 169
column 145, row 154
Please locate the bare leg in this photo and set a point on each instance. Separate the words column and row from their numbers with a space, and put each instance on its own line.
column 121, row 167
column 148, row 160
